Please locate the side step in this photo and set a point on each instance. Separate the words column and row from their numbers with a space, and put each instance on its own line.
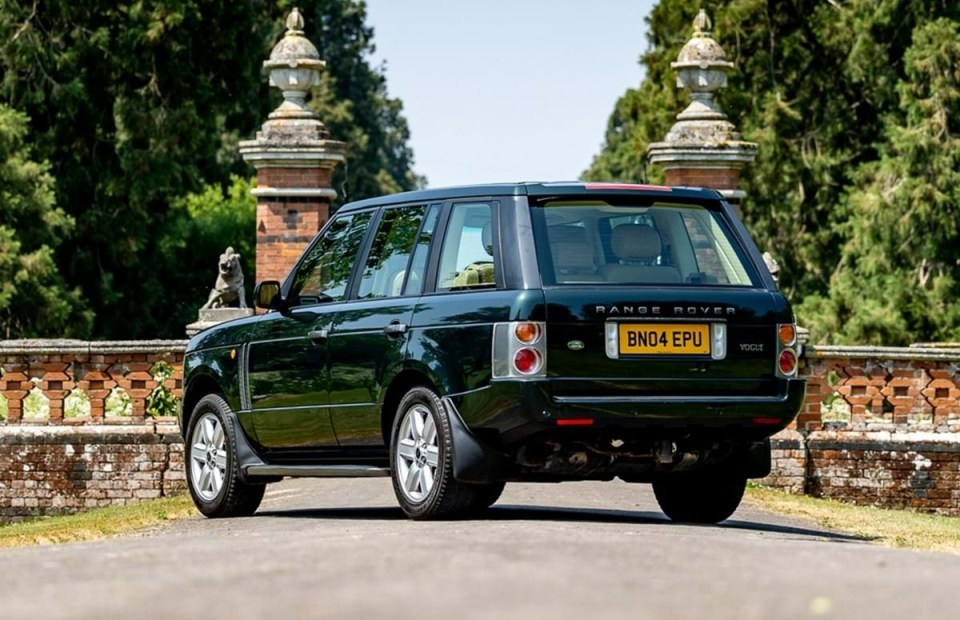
column 318, row 471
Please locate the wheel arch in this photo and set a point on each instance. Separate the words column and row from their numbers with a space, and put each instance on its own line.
column 200, row 384
column 402, row 382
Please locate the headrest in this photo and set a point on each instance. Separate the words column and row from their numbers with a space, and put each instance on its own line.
column 486, row 237
column 635, row 241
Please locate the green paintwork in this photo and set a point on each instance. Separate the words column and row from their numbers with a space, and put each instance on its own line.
column 362, row 360
column 326, row 394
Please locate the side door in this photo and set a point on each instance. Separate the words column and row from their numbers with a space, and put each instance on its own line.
column 287, row 357
column 369, row 334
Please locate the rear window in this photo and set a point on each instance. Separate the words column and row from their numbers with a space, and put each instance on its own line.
column 598, row 243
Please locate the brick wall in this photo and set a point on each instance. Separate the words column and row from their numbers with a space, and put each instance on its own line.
column 293, row 204
column 880, row 426
column 285, row 227
column 718, row 178
column 63, row 469
column 87, row 424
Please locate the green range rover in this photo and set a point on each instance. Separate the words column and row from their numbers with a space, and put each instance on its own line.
column 458, row 339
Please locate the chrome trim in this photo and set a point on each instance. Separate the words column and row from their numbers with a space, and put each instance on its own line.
column 243, row 371
column 627, row 400
column 319, row 471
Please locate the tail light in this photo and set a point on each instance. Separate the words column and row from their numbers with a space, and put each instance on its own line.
column 787, row 360
column 519, row 350
column 787, row 334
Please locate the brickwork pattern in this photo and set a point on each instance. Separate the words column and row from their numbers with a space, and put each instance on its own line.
column 64, row 469
column 312, row 177
column 39, row 380
column 878, row 427
column 284, row 230
column 862, row 394
column 716, row 178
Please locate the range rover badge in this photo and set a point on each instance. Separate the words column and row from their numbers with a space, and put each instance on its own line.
column 575, row 345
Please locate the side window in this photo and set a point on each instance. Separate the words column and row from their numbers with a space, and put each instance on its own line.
column 466, row 260
column 386, row 268
column 418, row 265
column 324, row 273
column 709, row 263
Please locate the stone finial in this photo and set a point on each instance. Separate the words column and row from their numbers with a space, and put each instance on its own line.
column 294, row 157
column 294, row 68
column 703, row 138
column 701, row 24
column 295, row 22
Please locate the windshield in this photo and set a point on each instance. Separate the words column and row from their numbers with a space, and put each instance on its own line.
column 597, row 242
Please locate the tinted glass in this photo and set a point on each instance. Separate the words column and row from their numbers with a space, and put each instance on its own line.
column 466, row 261
column 664, row 244
column 418, row 266
column 386, row 267
column 325, row 272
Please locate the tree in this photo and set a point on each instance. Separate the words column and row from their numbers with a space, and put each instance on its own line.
column 139, row 105
column 897, row 280
column 33, row 296
column 352, row 101
column 818, row 87
column 199, row 228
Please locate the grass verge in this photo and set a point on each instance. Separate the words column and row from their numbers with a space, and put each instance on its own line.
column 97, row 523
column 893, row 528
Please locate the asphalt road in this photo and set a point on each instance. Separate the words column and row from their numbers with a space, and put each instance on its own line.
column 341, row 549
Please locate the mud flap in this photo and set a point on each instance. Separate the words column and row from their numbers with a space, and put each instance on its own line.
column 473, row 461
column 246, row 455
column 756, row 459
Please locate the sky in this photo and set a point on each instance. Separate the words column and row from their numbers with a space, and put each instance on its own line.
column 500, row 90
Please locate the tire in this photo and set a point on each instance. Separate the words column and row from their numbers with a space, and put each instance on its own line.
column 485, row 495
column 705, row 496
column 421, row 457
column 213, row 473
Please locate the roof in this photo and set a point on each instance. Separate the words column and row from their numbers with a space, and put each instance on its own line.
column 534, row 189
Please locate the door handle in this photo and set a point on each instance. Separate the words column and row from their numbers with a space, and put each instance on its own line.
column 318, row 334
column 395, row 328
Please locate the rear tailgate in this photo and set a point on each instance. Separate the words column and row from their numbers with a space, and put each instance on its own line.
column 661, row 342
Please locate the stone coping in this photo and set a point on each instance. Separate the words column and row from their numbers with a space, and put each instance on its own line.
column 945, row 354
column 148, row 433
column 85, row 347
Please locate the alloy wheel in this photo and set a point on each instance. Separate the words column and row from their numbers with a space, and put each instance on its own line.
column 418, row 453
column 208, row 457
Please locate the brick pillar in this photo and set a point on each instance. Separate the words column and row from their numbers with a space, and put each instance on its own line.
column 294, row 158
column 703, row 148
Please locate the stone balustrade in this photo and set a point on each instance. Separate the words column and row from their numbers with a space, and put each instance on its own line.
column 880, row 426
column 86, row 424
column 77, row 382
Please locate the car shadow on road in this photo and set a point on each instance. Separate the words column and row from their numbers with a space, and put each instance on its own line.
column 512, row 512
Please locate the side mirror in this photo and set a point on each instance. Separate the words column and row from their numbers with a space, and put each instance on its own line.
column 267, row 295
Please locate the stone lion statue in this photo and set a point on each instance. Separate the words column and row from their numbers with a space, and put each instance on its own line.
column 229, row 286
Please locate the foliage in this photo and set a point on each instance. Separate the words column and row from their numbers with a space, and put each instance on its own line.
column 352, row 101
column 139, row 105
column 33, row 295
column 198, row 229
column 161, row 401
column 854, row 188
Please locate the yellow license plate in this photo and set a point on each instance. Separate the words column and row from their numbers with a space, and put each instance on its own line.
column 664, row 339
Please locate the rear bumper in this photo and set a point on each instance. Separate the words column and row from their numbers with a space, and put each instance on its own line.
column 512, row 411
